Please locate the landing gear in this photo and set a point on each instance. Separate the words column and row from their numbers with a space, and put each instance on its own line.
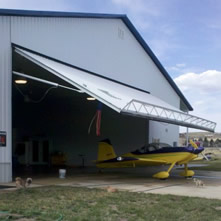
column 187, row 173
column 164, row 174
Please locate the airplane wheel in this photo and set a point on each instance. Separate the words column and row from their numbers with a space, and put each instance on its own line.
column 188, row 173
column 163, row 175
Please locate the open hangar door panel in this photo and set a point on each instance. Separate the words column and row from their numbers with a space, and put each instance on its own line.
column 118, row 96
column 50, row 125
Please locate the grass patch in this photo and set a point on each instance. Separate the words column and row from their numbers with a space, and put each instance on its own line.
column 212, row 165
column 71, row 203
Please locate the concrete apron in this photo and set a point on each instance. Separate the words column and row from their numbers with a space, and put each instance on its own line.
column 138, row 180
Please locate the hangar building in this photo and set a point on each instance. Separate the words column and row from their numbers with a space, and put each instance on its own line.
column 51, row 63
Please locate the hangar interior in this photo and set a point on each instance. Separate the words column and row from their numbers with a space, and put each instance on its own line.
column 50, row 125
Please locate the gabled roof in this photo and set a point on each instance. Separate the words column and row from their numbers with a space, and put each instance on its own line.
column 124, row 18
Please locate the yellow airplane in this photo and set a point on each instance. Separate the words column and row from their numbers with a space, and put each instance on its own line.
column 150, row 155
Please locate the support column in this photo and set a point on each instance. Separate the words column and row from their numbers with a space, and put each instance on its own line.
column 187, row 136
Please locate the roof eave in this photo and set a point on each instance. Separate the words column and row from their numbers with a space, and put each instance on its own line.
column 33, row 13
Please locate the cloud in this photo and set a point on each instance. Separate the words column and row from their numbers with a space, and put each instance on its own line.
column 181, row 65
column 215, row 26
column 203, row 91
column 206, row 82
column 177, row 67
column 140, row 6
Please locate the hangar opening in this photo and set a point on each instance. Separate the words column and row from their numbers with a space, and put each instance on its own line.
column 50, row 125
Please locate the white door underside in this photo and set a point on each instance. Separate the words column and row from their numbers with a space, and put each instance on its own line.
column 121, row 98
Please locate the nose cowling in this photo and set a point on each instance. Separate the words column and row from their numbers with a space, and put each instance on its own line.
column 198, row 150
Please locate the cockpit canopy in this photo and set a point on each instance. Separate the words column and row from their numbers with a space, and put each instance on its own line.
column 153, row 147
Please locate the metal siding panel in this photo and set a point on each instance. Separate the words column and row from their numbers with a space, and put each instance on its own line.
column 5, row 98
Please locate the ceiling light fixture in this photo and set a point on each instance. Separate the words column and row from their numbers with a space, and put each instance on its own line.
column 21, row 81
column 91, row 98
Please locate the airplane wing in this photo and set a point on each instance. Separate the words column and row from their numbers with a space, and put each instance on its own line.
column 128, row 162
column 146, row 162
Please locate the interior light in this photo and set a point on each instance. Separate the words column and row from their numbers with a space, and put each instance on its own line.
column 21, row 81
column 91, row 98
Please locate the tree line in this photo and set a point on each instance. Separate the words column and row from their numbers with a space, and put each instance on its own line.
column 209, row 143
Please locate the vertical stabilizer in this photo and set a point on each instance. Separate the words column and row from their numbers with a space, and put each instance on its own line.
column 105, row 151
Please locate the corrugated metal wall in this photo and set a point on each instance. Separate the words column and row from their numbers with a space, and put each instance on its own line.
column 5, row 97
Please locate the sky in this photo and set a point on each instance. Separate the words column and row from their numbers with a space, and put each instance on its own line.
column 185, row 35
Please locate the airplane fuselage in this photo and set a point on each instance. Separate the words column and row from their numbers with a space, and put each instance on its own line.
column 167, row 155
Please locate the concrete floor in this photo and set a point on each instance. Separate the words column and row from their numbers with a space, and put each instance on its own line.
column 136, row 180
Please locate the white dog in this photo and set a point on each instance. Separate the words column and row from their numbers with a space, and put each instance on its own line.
column 198, row 182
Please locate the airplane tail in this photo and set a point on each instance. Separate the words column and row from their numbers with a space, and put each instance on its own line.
column 105, row 150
